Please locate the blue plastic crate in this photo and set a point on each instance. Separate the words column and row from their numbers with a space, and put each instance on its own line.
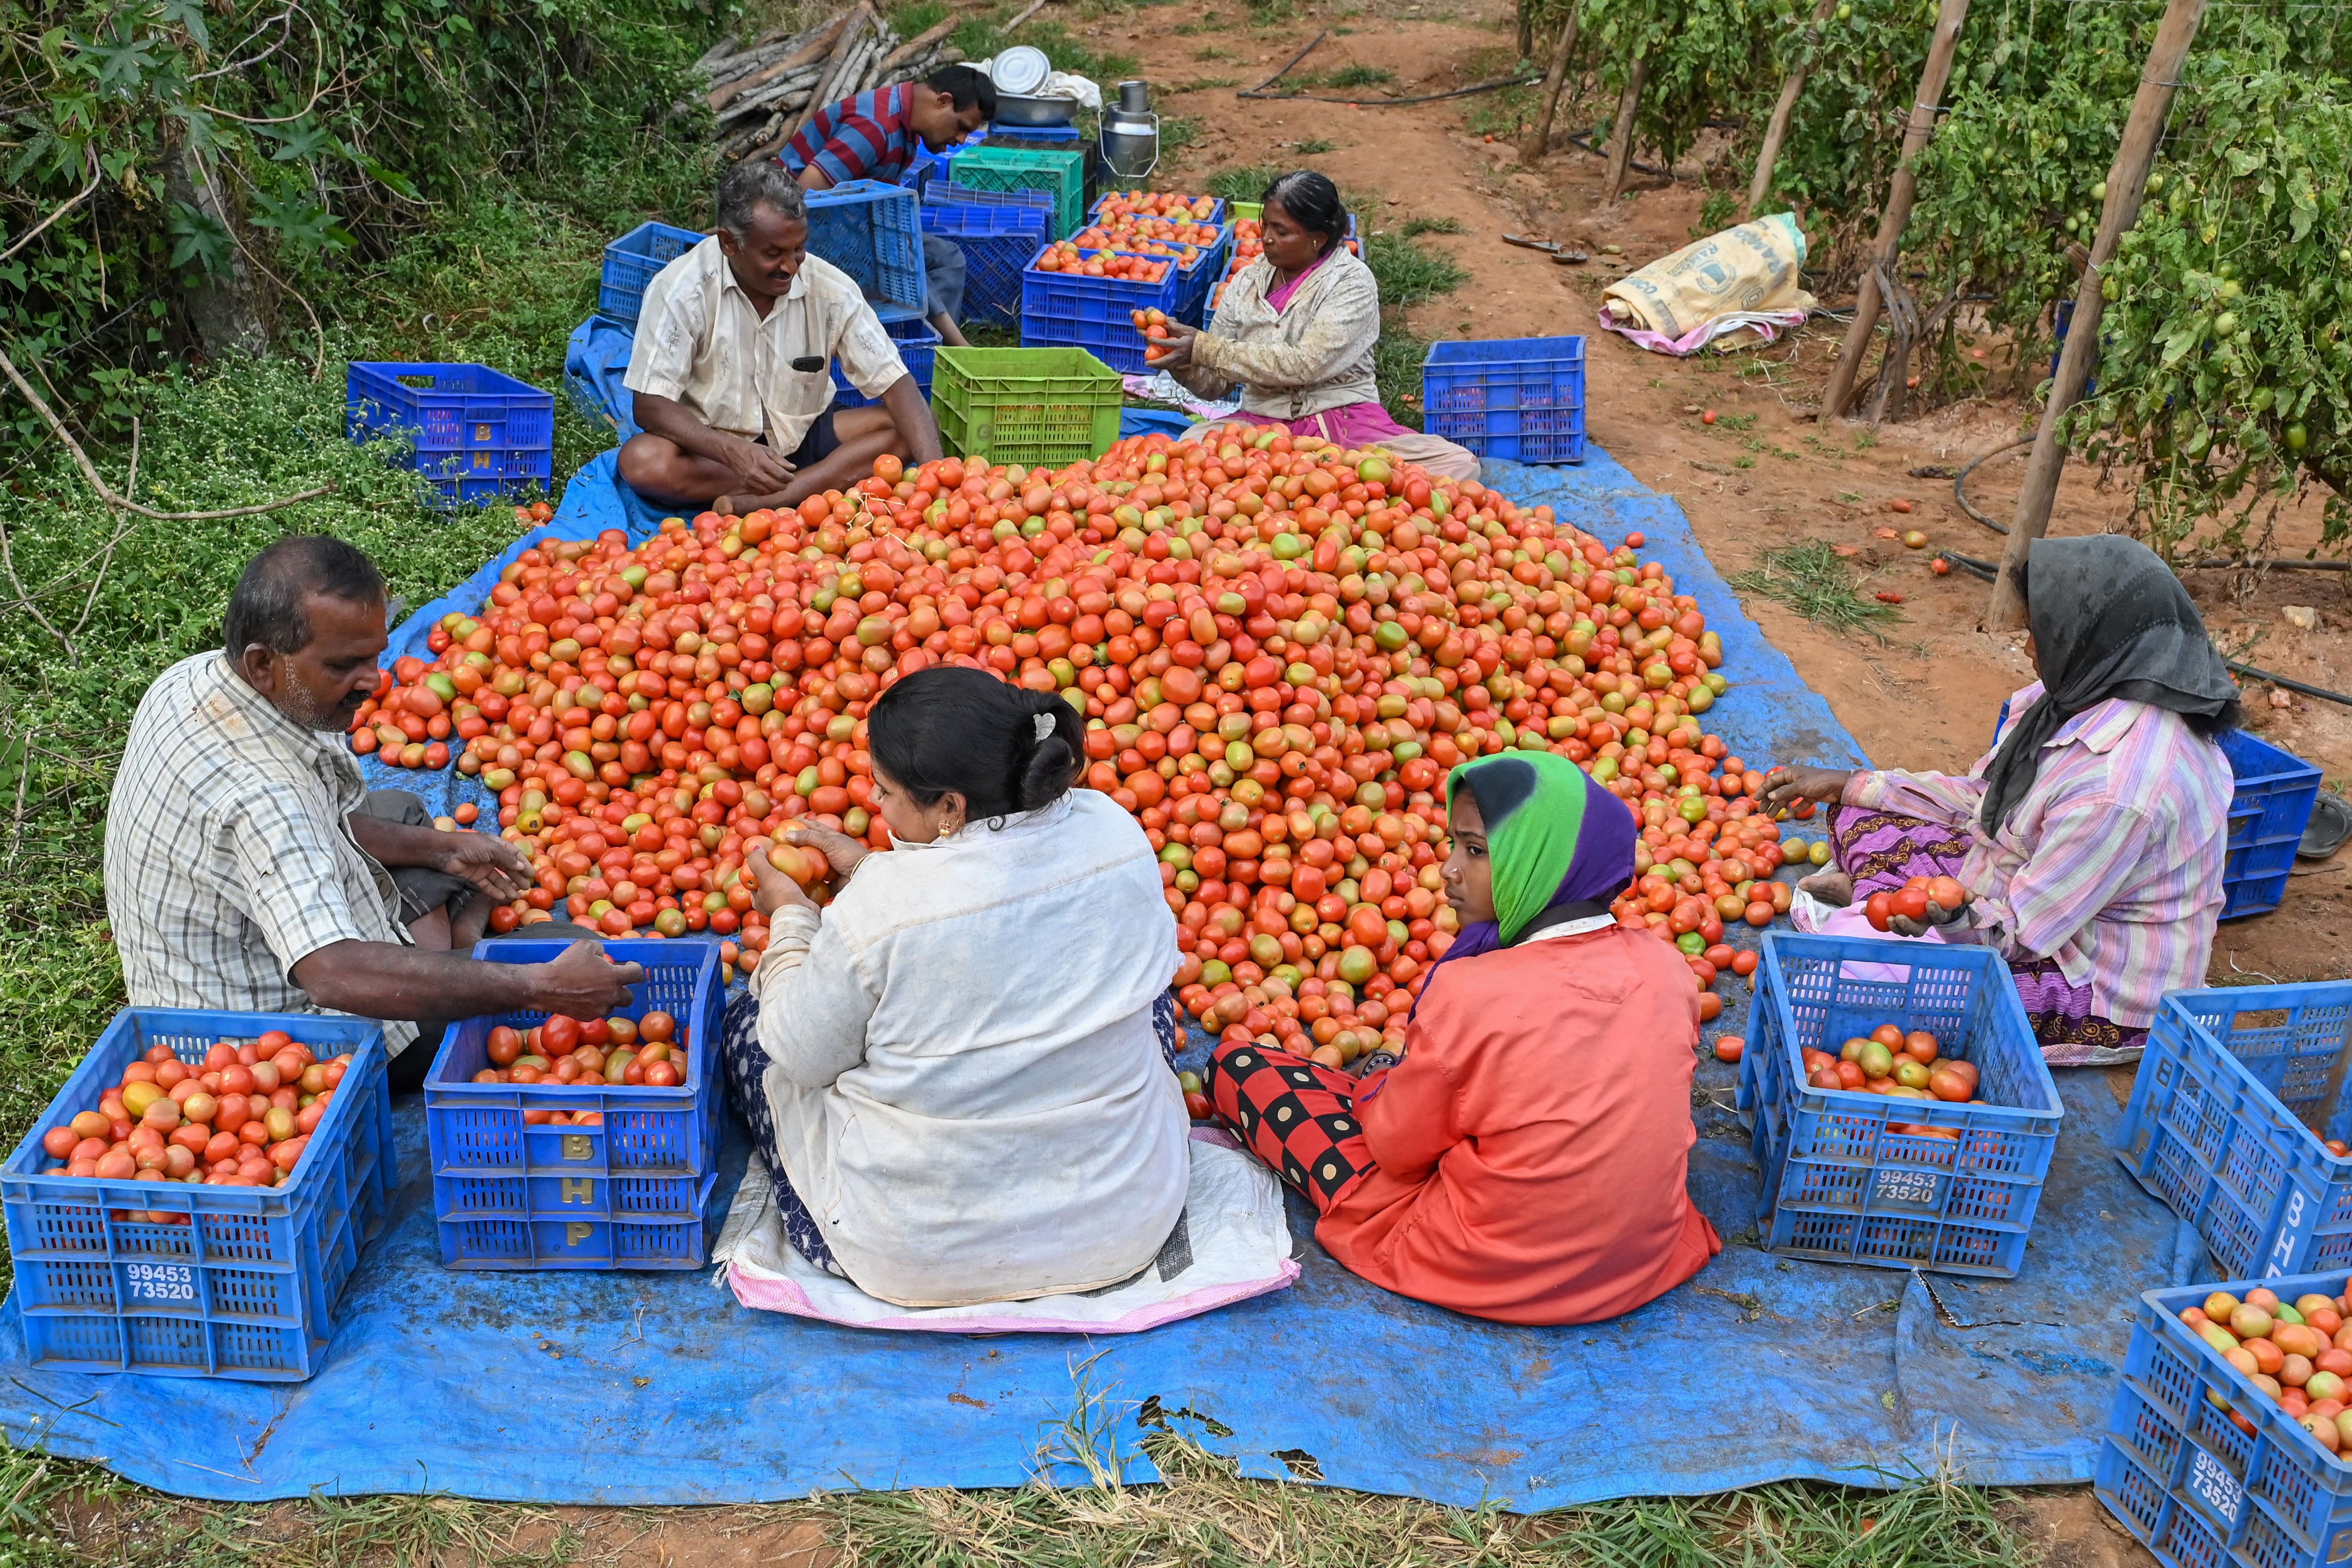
column 2191, row 1484
column 630, row 1193
column 1520, row 399
column 870, row 230
column 248, row 1288
column 2268, row 813
column 474, row 433
column 2221, row 1116
column 917, row 345
column 2063, row 321
column 1201, row 276
column 1062, row 310
column 1840, row 1183
column 630, row 263
column 997, row 240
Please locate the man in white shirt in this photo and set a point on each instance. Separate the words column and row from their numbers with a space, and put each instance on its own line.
column 249, row 869
column 731, row 367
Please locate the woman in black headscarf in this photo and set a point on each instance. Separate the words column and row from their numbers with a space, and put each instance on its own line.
column 2089, row 841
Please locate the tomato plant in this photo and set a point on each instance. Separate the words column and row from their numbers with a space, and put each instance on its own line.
column 2225, row 358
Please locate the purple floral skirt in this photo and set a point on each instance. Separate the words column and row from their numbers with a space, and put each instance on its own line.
column 1881, row 850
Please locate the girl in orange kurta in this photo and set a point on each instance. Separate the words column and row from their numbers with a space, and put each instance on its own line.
column 1525, row 1161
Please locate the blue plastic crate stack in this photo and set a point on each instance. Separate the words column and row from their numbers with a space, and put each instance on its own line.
column 249, row 1287
column 872, row 232
column 1520, row 399
column 1064, row 310
column 475, row 434
column 2198, row 1489
column 631, row 262
column 998, row 232
column 2269, row 809
column 917, row 345
column 2220, row 1116
column 1856, row 1177
column 513, row 1190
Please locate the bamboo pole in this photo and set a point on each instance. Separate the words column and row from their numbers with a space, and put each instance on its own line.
column 1620, row 134
column 1775, row 130
column 1555, row 78
column 2127, row 186
column 1888, row 247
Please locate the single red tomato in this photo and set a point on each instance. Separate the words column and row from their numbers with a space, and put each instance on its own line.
column 560, row 1035
column 658, row 1025
column 1879, row 910
column 1730, row 1048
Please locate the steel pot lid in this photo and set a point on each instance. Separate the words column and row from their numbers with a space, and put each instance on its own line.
column 1020, row 70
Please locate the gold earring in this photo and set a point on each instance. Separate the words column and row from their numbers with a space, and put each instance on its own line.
column 947, row 830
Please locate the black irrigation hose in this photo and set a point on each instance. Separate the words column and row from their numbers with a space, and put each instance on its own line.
column 1986, row 570
column 1581, row 140
column 2213, row 563
column 1259, row 91
column 2292, row 685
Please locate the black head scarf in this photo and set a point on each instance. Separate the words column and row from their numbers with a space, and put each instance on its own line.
column 2110, row 620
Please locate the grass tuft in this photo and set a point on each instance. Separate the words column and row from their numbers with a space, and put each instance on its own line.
column 1813, row 581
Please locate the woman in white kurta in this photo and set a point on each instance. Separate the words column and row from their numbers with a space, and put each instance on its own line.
column 956, row 1069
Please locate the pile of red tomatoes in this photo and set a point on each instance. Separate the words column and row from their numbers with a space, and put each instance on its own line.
column 1279, row 647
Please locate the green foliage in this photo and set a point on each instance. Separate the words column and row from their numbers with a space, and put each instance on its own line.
column 1704, row 56
column 251, row 433
column 2258, row 143
column 1409, row 273
column 2224, row 363
column 326, row 132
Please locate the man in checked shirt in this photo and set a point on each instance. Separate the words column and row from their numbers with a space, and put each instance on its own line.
column 248, row 868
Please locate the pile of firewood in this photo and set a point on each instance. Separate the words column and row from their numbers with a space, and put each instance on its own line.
column 763, row 92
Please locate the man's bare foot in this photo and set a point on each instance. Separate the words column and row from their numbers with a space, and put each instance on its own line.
column 743, row 506
column 1833, row 888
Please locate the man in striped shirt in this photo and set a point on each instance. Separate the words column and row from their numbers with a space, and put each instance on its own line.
column 874, row 136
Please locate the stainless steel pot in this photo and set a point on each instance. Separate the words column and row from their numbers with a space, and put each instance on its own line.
column 1037, row 113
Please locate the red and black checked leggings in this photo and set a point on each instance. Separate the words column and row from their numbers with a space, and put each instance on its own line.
column 1298, row 1117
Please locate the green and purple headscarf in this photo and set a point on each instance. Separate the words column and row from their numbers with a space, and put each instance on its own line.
column 1560, row 846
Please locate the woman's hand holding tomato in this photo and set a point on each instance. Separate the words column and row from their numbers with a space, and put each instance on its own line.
column 841, row 852
column 1173, row 349
column 773, row 890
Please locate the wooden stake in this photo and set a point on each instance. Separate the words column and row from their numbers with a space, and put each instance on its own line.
column 1775, row 130
column 1554, row 77
column 1620, row 134
column 1888, row 247
column 828, row 85
column 2127, row 186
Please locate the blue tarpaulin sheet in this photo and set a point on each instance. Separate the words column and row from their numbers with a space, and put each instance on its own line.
column 552, row 1387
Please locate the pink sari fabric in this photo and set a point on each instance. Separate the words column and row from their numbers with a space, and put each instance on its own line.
column 1278, row 298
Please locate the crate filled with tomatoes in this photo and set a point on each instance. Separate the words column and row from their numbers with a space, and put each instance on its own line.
column 1074, row 298
column 2230, row 1440
column 2221, row 1116
column 1901, row 1111
column 582, row 1142
column 194, row 1200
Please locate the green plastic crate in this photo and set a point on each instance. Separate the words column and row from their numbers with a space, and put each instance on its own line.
column 1237, row 211
column 1040, row 407
column 987, row 168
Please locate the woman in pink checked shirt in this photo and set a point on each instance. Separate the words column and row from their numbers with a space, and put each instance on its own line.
column 2090, row 839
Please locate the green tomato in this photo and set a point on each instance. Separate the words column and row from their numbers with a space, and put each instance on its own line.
column 2297, row 436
